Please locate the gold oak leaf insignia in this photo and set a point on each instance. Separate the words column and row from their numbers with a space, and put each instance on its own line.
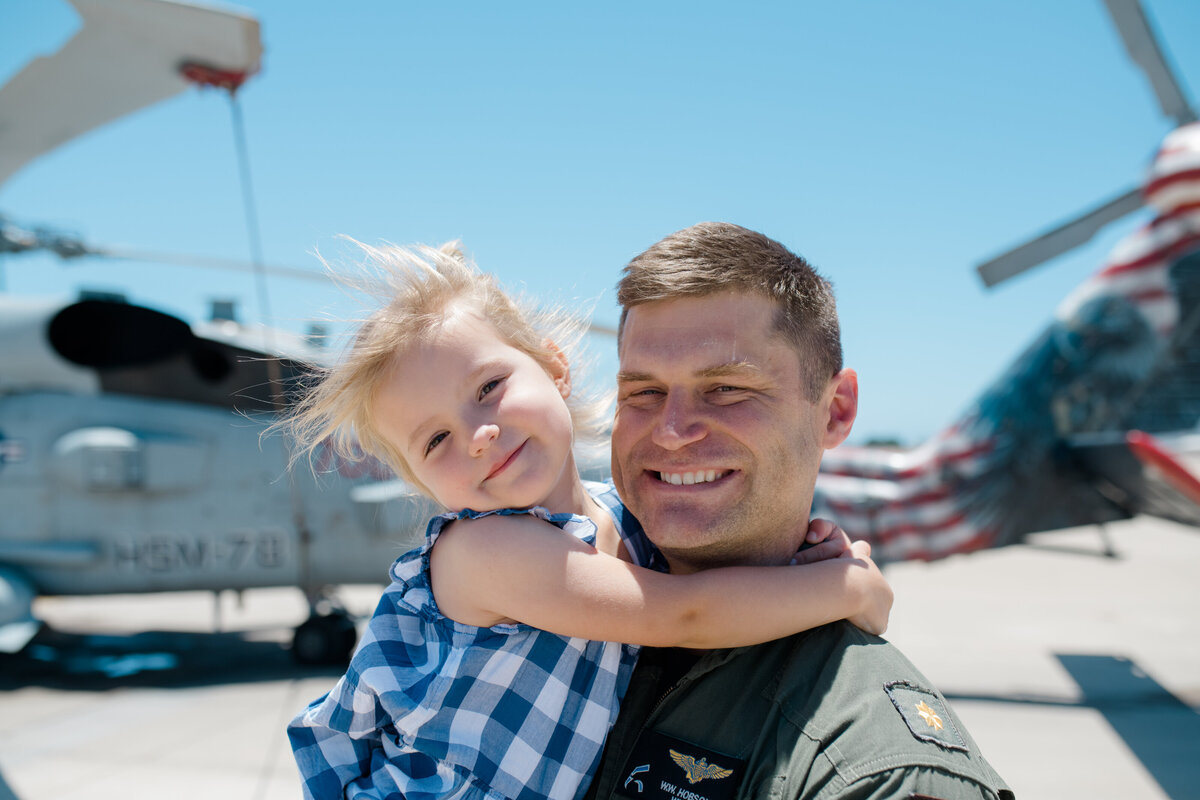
column 696, row 771
column 929, row 715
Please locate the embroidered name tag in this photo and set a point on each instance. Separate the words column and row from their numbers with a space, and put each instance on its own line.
column 925, row 714
column 662, row 767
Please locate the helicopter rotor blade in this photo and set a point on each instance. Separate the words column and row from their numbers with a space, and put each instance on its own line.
column 1058, row 240
column 208, row 262
column 1142, row 46
column 17, row 239
column 14, row 239
column 602, row 330
column 128, row 54
column 244, row 266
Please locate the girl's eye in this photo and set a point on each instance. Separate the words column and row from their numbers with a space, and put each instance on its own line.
column 435, row 441
column 488, row 387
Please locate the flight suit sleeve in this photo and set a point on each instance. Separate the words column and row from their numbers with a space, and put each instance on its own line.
column 874, row 727
column 918, row 783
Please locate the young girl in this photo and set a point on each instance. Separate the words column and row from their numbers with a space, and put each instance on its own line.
column 492, row 667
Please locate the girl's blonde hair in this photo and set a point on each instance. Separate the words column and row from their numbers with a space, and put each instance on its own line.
column 422, row 282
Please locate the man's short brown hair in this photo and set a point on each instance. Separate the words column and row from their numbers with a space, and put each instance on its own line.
column 714, row 257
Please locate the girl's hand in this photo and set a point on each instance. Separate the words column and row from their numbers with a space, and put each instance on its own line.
column 877, row 593
column 824, row 540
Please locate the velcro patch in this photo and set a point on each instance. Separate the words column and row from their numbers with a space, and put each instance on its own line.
column 662, row 767
column 925, row 714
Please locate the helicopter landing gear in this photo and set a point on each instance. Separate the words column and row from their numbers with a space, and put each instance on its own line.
column 329, row 634
column 324, row 639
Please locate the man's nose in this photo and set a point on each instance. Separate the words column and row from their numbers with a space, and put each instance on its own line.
column 483, row 438
column 680, row 422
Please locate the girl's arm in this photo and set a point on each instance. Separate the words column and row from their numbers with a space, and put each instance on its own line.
column 519, row 568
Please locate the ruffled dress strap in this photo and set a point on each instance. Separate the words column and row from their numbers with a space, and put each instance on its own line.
column 413, row 590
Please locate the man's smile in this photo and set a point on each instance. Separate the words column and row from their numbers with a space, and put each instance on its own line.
column 692, row 478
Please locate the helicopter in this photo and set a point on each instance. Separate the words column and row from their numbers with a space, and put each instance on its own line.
column 1097, row 420
column 135, row 454
column 130, row 452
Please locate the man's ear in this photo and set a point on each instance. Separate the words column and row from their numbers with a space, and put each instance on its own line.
column 558, row 368
column 842, row 398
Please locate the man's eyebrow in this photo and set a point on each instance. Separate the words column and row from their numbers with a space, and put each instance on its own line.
column 745, row 368
column 730, row 368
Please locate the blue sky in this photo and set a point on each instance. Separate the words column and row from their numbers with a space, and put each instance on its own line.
column 895, row 145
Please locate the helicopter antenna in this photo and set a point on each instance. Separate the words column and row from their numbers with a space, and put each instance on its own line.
column 230, row 81
column 251, row 210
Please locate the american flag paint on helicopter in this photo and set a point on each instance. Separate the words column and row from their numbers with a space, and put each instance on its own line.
column 1048, row 445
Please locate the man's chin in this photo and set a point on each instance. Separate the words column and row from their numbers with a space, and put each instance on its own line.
column 682, row 534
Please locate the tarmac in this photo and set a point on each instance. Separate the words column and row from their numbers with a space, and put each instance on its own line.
column 1078, row 674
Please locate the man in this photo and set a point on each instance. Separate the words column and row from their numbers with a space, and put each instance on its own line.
column 731, row 387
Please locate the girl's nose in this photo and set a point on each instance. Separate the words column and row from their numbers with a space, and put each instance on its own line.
column 483, row 438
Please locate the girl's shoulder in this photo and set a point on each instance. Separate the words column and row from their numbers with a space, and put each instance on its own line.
column 414, row 565
column 509, row 519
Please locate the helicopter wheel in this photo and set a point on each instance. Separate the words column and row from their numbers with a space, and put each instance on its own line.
column 324, row 640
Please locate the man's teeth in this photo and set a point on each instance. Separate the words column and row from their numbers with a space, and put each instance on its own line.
column 689, row 478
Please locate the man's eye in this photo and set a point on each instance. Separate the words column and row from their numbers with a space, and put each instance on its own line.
column 726, row 393
column 435, row 441
column 488, row 387
column 635, row 393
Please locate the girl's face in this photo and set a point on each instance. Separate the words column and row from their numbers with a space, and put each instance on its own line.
column 481, row 423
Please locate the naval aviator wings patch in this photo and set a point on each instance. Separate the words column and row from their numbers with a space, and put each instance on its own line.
column 925, row 714
column 664, row 767
column 697, row 771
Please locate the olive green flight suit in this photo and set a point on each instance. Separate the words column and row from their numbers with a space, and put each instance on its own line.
column 831, row 713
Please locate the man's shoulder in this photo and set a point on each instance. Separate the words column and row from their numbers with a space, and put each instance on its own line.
column 870, row 712
column 836, row 673
column 847, row 655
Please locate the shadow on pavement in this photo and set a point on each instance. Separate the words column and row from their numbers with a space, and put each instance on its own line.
column 1160, row 729
column 90, row 662
column 6, row 793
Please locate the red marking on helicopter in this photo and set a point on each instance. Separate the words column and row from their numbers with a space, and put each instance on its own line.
column 205, row 75
column 1151, row 453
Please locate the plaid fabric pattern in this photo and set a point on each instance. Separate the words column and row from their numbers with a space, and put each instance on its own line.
column 431, row 708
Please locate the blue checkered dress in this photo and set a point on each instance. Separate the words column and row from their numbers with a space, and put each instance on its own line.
column 431, row 708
